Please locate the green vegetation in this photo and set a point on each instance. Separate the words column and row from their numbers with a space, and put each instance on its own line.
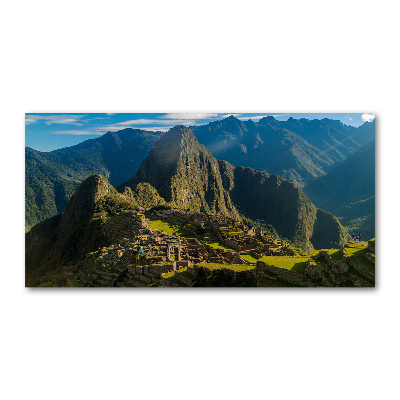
column 248, row 257
column 233, row 267
column 171, row 229
column 51, row 178
column 180, row 173
column 298, row 150
column 178, row 230
column 287, row 262
column 184, row 173
column 114, row 203
column 213, row 242
column 348, row 191
column 144, row 195
column 359, row 251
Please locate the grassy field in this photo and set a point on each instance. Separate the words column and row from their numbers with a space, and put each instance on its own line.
column 169, row 228
column 248, row 257
column 287, row 262
column 213, row 242
column 234, row 267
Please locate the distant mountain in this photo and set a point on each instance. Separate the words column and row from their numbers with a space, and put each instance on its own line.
column 348, row 191
column 188, row 177
column 330, row 136
column 52, row 177
column 298, row 150
column 365, row 133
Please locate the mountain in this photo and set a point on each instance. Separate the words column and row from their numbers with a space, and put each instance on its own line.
column 184, row 173
column 52, row 177
column 348, row 191
column 65, row 237
column 298, row 150
column 263, row 146
column 330, row 136
column 68, row 237
column 188, row 177
column 365, row 133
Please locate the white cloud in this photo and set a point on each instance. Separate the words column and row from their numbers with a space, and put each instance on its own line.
column 31, row 119
column 50, row 119
column 138, row 124
column 182, row 117
column 190, row 116
column 158, row 128
column 368, row 117
column 98, row 131
column 77, row 132
column 351, row 119
column 258, row 117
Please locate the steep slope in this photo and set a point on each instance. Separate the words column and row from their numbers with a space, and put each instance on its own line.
column 260, row 196
column 184, row 173
column 68, row 237
column 52, row 177
column 348, row 191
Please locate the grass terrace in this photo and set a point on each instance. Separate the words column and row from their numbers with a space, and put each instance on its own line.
column 234, row 267
column 169, row 228
column 294, row 263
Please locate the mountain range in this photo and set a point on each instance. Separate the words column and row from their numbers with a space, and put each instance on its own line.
column 298, row 150
column 305, row 152
column 51, row 178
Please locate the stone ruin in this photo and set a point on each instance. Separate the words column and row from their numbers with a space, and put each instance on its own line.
column 143, row 254
column 227, row 231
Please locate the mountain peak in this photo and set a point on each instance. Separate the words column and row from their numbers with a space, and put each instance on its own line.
column 184, row 173
column 82, row 203
column 231, row 119
column 267, row 119
column 179, row 130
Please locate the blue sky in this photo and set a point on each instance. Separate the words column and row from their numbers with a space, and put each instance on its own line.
column 47, row 132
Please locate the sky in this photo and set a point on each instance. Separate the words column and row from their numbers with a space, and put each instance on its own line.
column 48, row 132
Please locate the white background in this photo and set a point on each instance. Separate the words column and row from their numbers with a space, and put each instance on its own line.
column 209, row 56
